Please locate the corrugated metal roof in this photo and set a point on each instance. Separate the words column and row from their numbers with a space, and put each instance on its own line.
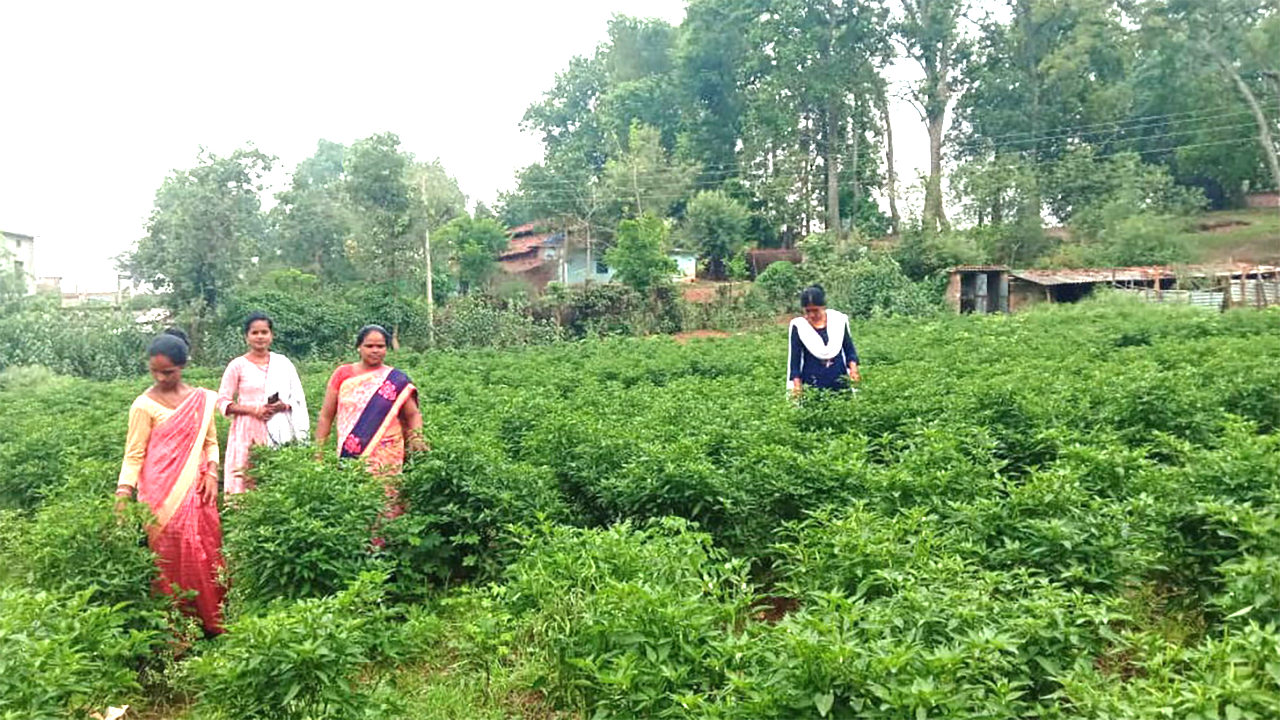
column 979, row 268
column 1091, row 275
column 1085, row 276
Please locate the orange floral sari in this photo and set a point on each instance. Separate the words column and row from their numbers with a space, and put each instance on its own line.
column 369, row 419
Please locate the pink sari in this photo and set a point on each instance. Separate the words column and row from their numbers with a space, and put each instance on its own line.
column 187, row 534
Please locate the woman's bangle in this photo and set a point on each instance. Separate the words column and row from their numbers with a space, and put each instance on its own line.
column 124, row 491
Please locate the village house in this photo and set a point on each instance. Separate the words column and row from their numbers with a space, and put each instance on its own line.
column 20, row 256
column 539, row 255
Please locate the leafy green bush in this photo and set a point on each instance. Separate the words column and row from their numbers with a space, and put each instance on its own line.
column 314, row 319
column 459, row 499
column 305, row 531
column 642, row 626
column 1144, row 239
column 61, row 656
column 864, row 283
column 76, row 543
column 963, row 650
column 98, row 344
column 1231, row 676
column 295, row 660
column 595, row 310
column 472, row 322
column 780, row 283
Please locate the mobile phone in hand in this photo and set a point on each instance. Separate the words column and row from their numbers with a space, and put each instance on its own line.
column 275, row 398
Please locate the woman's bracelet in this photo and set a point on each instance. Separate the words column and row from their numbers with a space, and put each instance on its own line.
column 124, row 491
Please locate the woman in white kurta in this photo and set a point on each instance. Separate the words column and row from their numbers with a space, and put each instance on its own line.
column 262, row 394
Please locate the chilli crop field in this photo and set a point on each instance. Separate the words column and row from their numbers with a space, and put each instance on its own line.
column 1070, row 513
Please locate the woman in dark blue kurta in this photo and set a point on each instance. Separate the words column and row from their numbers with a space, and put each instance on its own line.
column 816, row 358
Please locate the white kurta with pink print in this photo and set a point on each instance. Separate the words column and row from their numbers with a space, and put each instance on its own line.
column 245, row 382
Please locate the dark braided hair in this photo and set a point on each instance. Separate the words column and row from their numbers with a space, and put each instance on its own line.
column 173, row 344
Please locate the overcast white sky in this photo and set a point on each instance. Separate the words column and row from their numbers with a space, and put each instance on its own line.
column 98, row 101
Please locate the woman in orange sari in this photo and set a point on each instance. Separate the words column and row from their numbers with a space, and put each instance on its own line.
column 171, row 460
column 376, row 407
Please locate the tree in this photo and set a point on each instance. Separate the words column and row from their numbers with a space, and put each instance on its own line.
column 1054, row 77
column 386, row 212
column 717, row 224
column 310, row 222
column 811, row 58
column 639, row 257
column 891, row 174
column 440, row 196
column 930, row 32
column 711, row 59
column 566, row 116
column 474, row 245
column 1236, row 37
column 205, row 229
column 638, row 60
column 647, row 174
column 482, row 212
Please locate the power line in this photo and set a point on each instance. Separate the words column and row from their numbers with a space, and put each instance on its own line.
column 1138, row 122
column 557, row 188
column 673, row 196
column 733, row 167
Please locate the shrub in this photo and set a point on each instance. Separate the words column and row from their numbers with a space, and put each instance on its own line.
column 780, row 283
column 1144, row 239
column 459, row 499
column 642, row 627
column 97, row 344
column 305, row 531
column 296, row 660
column 61, row 656
column 76, row 543
column 472, row 322
column 595, row 310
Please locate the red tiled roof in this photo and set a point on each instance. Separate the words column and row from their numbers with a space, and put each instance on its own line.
column 521, row 244
column 516, row 265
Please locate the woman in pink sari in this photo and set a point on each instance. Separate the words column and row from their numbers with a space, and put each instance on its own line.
column 376, row 407
column 171, row 460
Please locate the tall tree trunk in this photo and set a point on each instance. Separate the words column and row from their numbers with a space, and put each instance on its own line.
column 935, row 217
column 806, row 195
column 1264, row 129
column 855, row 168
column 891, row 179
column 832, row 162
column 591, row 268
column 1031, row 74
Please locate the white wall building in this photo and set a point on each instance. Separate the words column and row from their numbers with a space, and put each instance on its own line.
column 20, row 255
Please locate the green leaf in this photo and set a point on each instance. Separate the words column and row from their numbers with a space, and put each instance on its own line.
column 824, row 701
